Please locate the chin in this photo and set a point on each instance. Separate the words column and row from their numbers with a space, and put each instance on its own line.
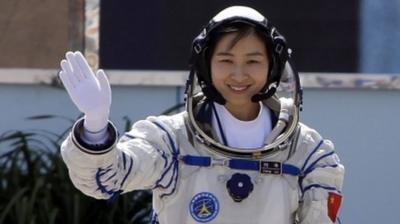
column 239, row 102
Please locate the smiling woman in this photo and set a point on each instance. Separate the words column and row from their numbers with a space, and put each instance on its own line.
column 237, row 152
column 239, row 70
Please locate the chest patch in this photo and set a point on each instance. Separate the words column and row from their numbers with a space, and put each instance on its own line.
column 204, row 207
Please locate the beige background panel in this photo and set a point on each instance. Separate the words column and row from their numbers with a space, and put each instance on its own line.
column 33, row 33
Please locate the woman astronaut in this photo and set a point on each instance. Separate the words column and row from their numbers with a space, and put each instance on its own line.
column 237, row 154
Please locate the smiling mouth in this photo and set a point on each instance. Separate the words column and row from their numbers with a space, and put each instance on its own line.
column 238, row 88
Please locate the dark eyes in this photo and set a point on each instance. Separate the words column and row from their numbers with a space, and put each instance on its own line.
column 226, row 61
column 253, row 62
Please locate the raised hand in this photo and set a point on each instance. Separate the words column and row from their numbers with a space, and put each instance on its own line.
column 90, row 92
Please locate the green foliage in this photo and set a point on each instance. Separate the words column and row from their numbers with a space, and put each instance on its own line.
column 35, row 187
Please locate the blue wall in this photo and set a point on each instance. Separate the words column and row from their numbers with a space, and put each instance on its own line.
column 362, row 123
column 379, row 36
column 364, row 128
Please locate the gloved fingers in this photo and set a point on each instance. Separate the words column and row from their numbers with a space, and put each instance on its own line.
column 83, row 65
column 104, row 83
column 64, row 79
column 67, row 74
column 65, row 66
column 67, row 85
column 76, row 71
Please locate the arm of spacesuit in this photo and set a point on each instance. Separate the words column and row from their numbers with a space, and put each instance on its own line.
column 141, row 159
column 321, row 182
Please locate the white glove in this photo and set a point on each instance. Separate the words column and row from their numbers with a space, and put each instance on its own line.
column 90, row 93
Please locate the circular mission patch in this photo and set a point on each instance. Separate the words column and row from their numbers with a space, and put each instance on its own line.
column 204, row 207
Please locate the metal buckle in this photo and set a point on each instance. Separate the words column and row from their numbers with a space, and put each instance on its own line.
column 219, row 162
column 279, row 48
column 199, row 138
column 197, row 48
column 267, row 167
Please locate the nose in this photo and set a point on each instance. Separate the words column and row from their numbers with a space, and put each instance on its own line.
column 239, row 74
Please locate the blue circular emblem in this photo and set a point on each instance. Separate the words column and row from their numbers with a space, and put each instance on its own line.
column 204, row 207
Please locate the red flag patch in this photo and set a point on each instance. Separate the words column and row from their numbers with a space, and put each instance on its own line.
column 334, row 201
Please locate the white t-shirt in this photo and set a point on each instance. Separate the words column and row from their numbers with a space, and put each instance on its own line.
column 277, row 197
column 242, row 134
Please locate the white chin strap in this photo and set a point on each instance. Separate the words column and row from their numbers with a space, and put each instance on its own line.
column 287, row 106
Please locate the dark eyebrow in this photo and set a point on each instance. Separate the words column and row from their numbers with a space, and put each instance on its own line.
column 222, row 53
column 255, row 53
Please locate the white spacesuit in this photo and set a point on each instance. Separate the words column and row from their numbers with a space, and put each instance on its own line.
column 195, row 176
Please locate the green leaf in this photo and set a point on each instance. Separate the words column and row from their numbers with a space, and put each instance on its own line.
column 20, row 193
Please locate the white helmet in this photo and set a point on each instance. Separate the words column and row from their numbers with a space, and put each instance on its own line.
column 283, row 82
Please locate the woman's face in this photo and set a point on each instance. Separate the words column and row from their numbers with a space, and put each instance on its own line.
column 241, row 71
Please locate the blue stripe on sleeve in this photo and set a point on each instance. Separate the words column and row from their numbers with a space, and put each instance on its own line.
column 171, row 142
column 129, row 135
column 101, row 187
column 320, row 186
column 317, row 160
column 311, row 154
column 324, row 166
column 110, row 177
column 124, row 159
column 127, row 173
column 162, row 153
column 175, row 174
column 173, row 164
